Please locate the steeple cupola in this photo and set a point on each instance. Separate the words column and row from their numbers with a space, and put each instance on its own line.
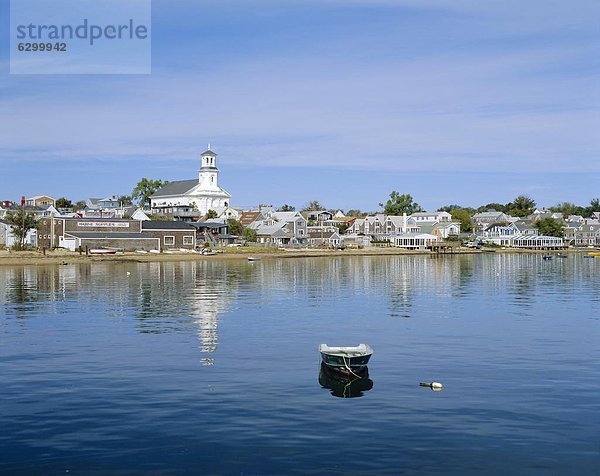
column 209, row 158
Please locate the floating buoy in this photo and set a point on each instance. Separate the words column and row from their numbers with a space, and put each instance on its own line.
column 435, row 386
column 128, row 273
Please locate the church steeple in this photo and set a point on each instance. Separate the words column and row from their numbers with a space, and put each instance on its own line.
column 208, row 175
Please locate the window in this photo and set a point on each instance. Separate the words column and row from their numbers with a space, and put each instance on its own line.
column 169, row 240
column 188, row 240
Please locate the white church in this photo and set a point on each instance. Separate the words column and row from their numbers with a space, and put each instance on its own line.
column 201, row 195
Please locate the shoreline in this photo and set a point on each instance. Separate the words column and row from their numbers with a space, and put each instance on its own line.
column 34, row 258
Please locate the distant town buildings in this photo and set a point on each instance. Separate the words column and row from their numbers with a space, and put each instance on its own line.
column 189, row 214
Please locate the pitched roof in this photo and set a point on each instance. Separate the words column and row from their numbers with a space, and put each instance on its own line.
column 209, row 152
column 321, row 234
column 177, row 187
column 286, row 216
column 166, row 225
column 249, row 217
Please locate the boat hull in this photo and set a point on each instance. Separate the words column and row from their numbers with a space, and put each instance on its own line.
column 344, row 385
column 352, row 360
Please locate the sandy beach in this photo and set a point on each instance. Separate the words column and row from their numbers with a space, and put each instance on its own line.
column 62, row 257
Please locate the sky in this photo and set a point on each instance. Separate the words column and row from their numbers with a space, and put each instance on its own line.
column 341, row 101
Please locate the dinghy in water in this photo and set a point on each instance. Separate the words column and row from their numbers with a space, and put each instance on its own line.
column 351, row 360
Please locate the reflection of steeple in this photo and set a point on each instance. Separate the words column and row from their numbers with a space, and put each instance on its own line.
column 208, row 301
column 185, row 296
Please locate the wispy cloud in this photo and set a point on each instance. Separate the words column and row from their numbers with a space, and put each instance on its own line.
column 405, row 86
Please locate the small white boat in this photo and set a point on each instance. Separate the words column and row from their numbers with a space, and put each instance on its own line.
column 155, row 252
column 350, row 360
column 102, row 251
column 253, row 258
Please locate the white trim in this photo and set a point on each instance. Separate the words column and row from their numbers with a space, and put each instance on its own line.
column 165, row 240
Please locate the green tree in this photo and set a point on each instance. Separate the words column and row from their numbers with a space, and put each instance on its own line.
column 492, row 206
column 399, row 204
column 286, row 208
column 21, row 222
column 567, row 208
column 250, row 235
column 211, row 214
column 594, row 207
column 80, row 205
column 521, row 206
column 125, row 200
column 313, row 206
column 355, row 213
column 449, row 208
column 550, row 227
column 342, row 227
column 145, row 189
column 463, row 215
column 63, row 203
column 235, row 227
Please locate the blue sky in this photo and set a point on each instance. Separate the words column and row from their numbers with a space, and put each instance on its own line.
column 342, row 101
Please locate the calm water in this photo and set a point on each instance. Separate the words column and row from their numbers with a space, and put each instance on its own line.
column 212, row 367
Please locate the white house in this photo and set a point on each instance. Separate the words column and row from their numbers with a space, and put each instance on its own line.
column 414, row 241
column 500, row 233
column 8, row 238
column 430, row 217
column 444, row 229
column 202, row 194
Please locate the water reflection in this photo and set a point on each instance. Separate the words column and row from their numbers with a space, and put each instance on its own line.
column 343, row 385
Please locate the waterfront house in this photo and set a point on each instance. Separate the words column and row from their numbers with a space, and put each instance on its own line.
column 499, row 233
column 322, row 238
column 213, row 232
column 446, row 229
column 414, row 241
column 281, row 229
column 539, row 242
column 357, row 227
column 587, row 235
column 374, row 224
column 8, row 238
column 394, row 225
column 116, row 233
